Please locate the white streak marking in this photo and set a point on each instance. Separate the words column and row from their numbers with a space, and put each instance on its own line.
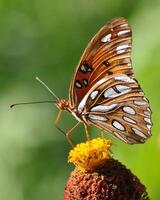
column 94, row 94
column 97, row 117
column 147, row 112
column 129, row 110
column 149, row 126
column 127, row 119
column 104, row 108
column 121, row 51
column 140, row 102
column 138, row 132
column 82, row 104
column 106, row 38
column 110, row 93
column 123, row 89
column 118, row 125
column 83, row 101
column 145, row 99
column 101, row 81
column 123, row 32
column 124, row 78
column 147, row 120
column 122, row 25
column 122, row 47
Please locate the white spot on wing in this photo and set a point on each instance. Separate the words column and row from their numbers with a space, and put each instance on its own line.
column 138, row 132
column 122, row 25
column 78, row 84
column 149, row 126
column 121, row 51
column 129, row 110
column 82, row 103
column 85, row 82
column 147, row 120
column 127, row 119
column 123, row 32
column 94, row 94
column 147, row 112
column 106, row 38
column 101, row 108
column 101, row 81
column 97, row 117
column 140, row 102
column 110, row 93
column 83, row 68
column 124, row 78
column 123, row 89
column 118, row 125
column 122, row 48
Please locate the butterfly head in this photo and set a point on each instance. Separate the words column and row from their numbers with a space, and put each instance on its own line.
column 63, row 104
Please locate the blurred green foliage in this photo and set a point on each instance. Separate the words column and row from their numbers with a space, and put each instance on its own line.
column 46, row 39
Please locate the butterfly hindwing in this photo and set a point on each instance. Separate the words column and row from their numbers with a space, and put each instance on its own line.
column 119, row 107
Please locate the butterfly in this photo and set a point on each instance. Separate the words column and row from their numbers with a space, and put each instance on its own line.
column 104, row 92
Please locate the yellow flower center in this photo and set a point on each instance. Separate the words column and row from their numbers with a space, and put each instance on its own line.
column 90, row 155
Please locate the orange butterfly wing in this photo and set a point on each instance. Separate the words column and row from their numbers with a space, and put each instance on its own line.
column 104, row 91
column 108, row 52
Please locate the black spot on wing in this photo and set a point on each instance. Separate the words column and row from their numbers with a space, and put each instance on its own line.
column 78, row 84
column 85, row 67
column 85, row 82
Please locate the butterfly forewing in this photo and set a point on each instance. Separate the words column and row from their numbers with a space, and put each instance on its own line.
column 104, row 91
column 107, row 53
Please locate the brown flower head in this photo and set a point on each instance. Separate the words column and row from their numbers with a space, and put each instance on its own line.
column 106, row 179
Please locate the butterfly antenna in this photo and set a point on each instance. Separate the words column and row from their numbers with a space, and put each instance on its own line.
column 32, row 102
column 38, row 79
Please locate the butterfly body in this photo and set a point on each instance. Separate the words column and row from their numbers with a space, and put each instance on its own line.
column 104, row 92
column 64, row 105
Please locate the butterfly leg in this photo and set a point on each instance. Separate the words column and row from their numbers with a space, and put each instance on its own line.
column 87, row 132
column 68, row 134
column 88, row 139
column 57, row 120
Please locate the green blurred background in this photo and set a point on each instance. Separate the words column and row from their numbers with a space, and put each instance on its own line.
column 46, row 38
